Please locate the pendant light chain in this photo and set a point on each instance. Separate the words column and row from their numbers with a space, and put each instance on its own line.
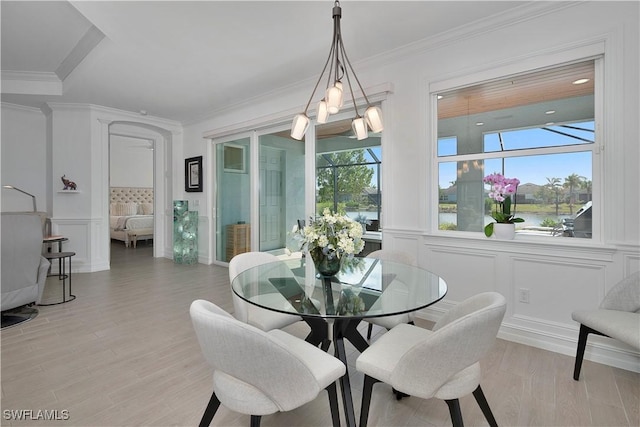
column 339, row 67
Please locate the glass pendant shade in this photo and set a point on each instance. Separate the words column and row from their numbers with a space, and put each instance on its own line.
column 333, row 98
column 359, row 128
column 299, row 126
column 323, row 112
column 339, row 86
column 374, row 119
column 339, row 68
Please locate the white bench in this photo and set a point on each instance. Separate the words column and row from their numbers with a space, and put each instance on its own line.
column 135, row 234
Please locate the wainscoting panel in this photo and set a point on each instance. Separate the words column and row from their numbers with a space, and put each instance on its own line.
column 543, row 284
column 463, row 270
column 409, row 243
column 84, row 239
column 554, row 288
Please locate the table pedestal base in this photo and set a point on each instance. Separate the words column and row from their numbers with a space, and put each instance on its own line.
column 341, row 329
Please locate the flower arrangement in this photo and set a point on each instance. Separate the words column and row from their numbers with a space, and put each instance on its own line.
column 336, row 234
column 331, row 237
column 501, row 190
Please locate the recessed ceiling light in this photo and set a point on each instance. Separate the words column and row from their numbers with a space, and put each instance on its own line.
column 580, row 81
column 550, row 112
column 480, row 124
column 440, row 96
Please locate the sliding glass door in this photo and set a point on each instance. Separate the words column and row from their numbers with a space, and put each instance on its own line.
column 348, row 173
column 233, row 198
column 281, row 189
column 260, row 193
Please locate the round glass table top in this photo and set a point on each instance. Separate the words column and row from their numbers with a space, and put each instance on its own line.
column 365, row 287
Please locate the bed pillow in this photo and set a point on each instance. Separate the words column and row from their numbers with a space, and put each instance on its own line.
column 124, row 209
column 146, row 208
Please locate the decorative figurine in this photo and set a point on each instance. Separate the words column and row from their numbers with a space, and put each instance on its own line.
column 68, row 184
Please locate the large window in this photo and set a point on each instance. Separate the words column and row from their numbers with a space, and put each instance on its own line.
column 539, row 127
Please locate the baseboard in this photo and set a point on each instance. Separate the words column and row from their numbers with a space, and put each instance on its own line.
column 557, row 338
column 599, row 349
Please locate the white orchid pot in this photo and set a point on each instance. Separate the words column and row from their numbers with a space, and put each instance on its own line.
column 504, row 231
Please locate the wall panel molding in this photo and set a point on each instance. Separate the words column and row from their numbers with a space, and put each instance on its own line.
column 84, row 239
column 559, row 277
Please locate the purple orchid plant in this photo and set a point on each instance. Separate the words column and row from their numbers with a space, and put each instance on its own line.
column 501, row 190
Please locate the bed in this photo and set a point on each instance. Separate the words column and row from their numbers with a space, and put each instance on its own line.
column 131, row 214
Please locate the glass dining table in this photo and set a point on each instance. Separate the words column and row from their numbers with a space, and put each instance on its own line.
column 334, row 306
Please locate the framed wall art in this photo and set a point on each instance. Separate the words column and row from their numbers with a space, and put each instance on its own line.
column 193, row 175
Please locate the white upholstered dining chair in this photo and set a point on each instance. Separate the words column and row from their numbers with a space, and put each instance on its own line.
column 618, row 317
column 249, row 313
column 442, row 363
column 260, row 373
column 389, row 322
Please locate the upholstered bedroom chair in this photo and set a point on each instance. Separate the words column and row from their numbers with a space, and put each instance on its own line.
column 260, row 373
column 24, row 269
column 617, row 317
column 249, row 313
column 389, row 322
column 442, row 363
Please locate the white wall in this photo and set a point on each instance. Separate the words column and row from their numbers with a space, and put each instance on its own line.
column 561, row 274
column 38, row 147
column 130, row 162
column 23, row 138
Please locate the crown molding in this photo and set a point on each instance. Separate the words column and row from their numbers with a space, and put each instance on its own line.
column 18, row 107
column 528, row 11
column 31, row 83
column 116, row 115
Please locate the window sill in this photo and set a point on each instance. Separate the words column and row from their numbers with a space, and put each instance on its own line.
column 565, row 247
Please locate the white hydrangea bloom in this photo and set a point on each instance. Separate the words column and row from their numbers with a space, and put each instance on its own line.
column 336, row 233
column 323, row 241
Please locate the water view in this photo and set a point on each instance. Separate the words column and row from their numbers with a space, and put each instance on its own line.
column 530, row 220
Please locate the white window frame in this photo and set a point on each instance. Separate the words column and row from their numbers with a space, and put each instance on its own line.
column 590, row 52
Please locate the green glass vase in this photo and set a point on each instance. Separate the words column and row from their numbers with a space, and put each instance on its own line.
column 325, row 265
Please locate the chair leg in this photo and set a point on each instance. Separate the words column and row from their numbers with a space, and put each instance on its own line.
column 399, row 395
column 367, row 388
column 582, row 345
column 210, row 411
column 255, row 420
column 484, row 405
column 454, row 411
column 369, row 330
column 333, row 404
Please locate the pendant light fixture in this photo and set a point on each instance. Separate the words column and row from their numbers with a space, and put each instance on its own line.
column 339, row 77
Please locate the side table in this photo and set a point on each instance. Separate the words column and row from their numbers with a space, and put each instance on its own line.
column 49, row 240
column 62, row 273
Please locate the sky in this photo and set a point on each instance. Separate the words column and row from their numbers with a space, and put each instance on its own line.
column 530, row 169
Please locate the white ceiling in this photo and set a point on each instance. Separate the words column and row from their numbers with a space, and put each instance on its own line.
column 181, row 60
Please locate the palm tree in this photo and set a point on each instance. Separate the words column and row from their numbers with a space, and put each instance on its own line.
column 587, row 185
column 571, row 182
column 555, row 186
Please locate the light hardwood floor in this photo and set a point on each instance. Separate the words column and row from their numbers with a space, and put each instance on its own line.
column 124, row 354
